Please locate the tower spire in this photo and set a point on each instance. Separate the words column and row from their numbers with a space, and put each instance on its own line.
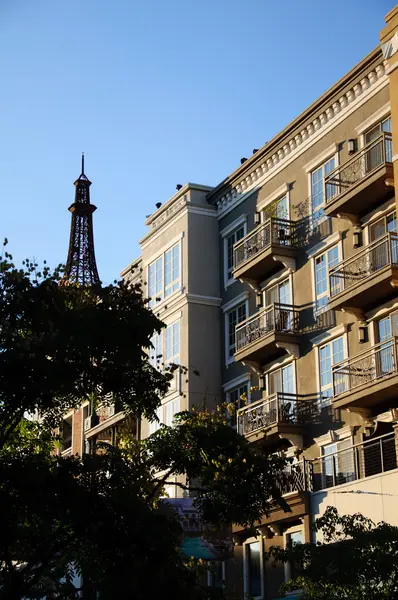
column 81, row 267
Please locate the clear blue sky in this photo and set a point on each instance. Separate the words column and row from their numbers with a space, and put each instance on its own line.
column 155, row 93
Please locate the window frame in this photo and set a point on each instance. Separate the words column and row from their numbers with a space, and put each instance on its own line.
column 231, row 390
column 315, row 166
column 245, row 302
column 226, row 233
column 290, row 362
column 177, row 283
column 246, row 570
column 286, row 539
column 323, row 402
column 324, row 252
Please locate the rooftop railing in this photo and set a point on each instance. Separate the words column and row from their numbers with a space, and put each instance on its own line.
column 365, row 263
column 366, row 367
column 276, row 317
column 280, row 232
column 278, row 408
column 360, row 165
column 368, row 458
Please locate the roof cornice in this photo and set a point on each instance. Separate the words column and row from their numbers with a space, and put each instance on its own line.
column 339, row 96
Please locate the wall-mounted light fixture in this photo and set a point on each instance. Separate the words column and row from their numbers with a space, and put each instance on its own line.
column 256, row 218
column 352, row 145
column 362, row 332
column 259, row 300
column 262, row 382
column 357, row 237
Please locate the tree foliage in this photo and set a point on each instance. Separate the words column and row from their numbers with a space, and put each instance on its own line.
column 356, row 560
column 63, row 344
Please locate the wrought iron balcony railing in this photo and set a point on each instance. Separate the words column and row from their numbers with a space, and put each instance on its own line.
column 369, row 260
column 274, row 318
column 366, row 367
column 276, row 409
column 360, row 165
column 298, row 477
column 280, row 232
column 357, row 462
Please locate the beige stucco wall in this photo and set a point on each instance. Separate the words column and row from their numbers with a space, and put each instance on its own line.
column 377, row 500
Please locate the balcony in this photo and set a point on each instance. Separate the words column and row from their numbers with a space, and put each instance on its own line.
column 268, row 334
column 367, row 278
column 265, row 249
column 367, row 379
column 373, row 457
column 104, row 416
column 276, row 417
column 362, row 182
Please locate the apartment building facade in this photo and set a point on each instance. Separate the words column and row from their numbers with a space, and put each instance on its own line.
column 279, row 286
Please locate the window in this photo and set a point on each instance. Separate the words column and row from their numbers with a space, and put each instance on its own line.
column 278, row 209
column 386, row 329
column 253, row 569
column 282, row 381
column 383, row 226
column 170, row 409
column 234, row 316
column 293, row 537
column 318, row 188
column 216, row 574
column 323, row 263
column 164, row 275
column 235, row 396
column 156, row 353
column 330, row 354
column 166, row 346
column 172, row 350
column 338, row 463
column 231, row 239
column 281, row 292
column 374, row 155
column 155, row 425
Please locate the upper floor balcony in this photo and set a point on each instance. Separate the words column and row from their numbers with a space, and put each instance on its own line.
column 372, row 457
column 277, row 417
column 362, row 182
column 104, row 416
column 367, row 379
column 367, row 278
column 269, row 333
column 265, row 249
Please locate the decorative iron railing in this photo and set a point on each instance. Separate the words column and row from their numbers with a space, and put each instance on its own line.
column 278, row 408
column 366, row 367
column 356, row 462
column 276, row 317
column 298, row 477
column 365, row 263
column 360, row 165
column 280, row 232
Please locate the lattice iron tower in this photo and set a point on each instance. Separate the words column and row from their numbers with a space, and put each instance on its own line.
column 81, row 267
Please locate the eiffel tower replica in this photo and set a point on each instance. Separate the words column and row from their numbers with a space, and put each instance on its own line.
column 81, row 267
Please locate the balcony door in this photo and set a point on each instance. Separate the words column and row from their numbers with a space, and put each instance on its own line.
column 386, row 329
column 374, row 156
column 380, row 255
column 283, row 382
column 280, row 294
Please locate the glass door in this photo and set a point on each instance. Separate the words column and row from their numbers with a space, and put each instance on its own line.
column 374, row 156
column 385, row 357
column 282, row 382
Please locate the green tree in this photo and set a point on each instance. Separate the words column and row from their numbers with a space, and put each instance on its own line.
column 355, row 560
column 62, row 344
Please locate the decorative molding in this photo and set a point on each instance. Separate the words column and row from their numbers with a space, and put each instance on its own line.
column 229, row 385
column 331, row 240
column 329, row 118
column 234, row 225
column 235, row 301
column 289, row 262
column 321, row 158
column 290, row 347
column 331, row 334
column 373, row 119
column 279, row 193
column 206, row 300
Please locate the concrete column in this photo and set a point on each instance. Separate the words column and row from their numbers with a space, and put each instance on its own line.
column 389, row 44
